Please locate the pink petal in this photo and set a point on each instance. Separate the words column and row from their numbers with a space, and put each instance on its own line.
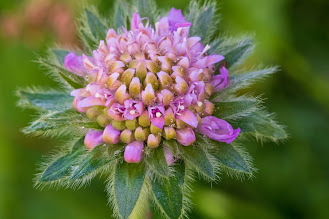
column 188, row 117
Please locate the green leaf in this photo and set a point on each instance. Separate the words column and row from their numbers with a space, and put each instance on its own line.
column 128, row 182
column 60, row 55
column 97, row 28
column 157, row 162
column 61, row 74
column 197, row 157
column 93, row 160
column 168, row 193
column 121, row 15
column 235, row 108
column 236, row 53
column 62, row 167
column 261, row 124
column 37, row 99
column 146, row 8
column 204, row 20
column 241, row 81
column 59, row 123
column 228, row 156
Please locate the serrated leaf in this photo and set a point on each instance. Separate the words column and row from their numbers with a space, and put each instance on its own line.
column 261, row 125
column 128, row 182
column 157, row 162
column 62, row 167
column 241, row 81
column 60, row 55
column 34, row 98
column 196, row 156
column 97, row 28
column 93, row 160
column 168, row 193
column 228, row 156
column 235, row 108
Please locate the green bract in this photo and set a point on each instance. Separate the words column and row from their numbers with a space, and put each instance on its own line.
column 131, row 186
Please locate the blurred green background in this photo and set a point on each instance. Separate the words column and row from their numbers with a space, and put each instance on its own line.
column 293, row 178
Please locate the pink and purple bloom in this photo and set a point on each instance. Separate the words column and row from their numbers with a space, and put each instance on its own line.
column 155, row 80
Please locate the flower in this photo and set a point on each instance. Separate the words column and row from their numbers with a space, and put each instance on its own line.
column 217, row 129
column 149, row 85
column 93, row 138
column 133, row 152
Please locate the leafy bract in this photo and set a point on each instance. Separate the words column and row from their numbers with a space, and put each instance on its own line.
column 128, row 182
column 169, row 193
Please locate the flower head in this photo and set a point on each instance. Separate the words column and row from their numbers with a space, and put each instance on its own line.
column 154, row 84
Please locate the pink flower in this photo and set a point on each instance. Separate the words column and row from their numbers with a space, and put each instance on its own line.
column 93, row 138
column 133, row 109
column 220, row 81
column 74, row 64
column 133, row 152
column 156, row 114
column 185, row 136
column 217, row 129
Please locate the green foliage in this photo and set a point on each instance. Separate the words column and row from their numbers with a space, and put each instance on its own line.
column 97, row 28
column 261, row 125
column 156, row 161
column 128, row 182
column 44, row 100
column 63, row 166
column 60, row 74
column 93, row 160
column 236, row 108
column 122, row 15
column 60, row 55
column 58, row 123
column 204, row 19
column 169, row 193
column 147, row 8
column 241, row 81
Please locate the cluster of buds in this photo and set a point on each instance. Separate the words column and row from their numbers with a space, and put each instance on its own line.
column 146, row 84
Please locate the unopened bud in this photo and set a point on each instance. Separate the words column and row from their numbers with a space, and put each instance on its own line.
column 151, row 79
column 209, row 108
column 111, row 135
column 131, row 124
column 121, row 94
column 184, row 63
column 165, row 96
column 126, row 136
column 155, row 130
column 92, row 113
column 135, row 87
column 141, row 134
column 141, row 70
column 119, row 125
column 127, row 76
column 134, row 152
column 169, row 133
column 148, row 95
column 177, row 71
column 180, row 124
column 164, row 78
column 152, row 66
column 166, row 63
column 126, row 58
column 103, row 120
column 199, row 106
column 208, row 89
column 117, row 66
column 181, row 86
column 144, row 119
column 113, row 82
column 153, row 141
column 169, row 117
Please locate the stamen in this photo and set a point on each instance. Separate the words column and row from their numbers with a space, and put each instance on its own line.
column 132, row 112
column 199, row 103
column 181, row 107
column 158, row 114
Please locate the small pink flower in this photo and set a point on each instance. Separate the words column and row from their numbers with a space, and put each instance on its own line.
column 93, row 138
column 185, row 136
column 133, row 152
column 220, row 81
column 74, row 64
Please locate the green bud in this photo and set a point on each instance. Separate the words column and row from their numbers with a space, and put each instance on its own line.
column 169, row 133
column 119, row 125
column 126, row 136
column 144, row 119
column 155, row 130
column 127, row 76
column 131, row 124
column 92, row 113
column 141, row 134
column 151, row 79
column 103, row 120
